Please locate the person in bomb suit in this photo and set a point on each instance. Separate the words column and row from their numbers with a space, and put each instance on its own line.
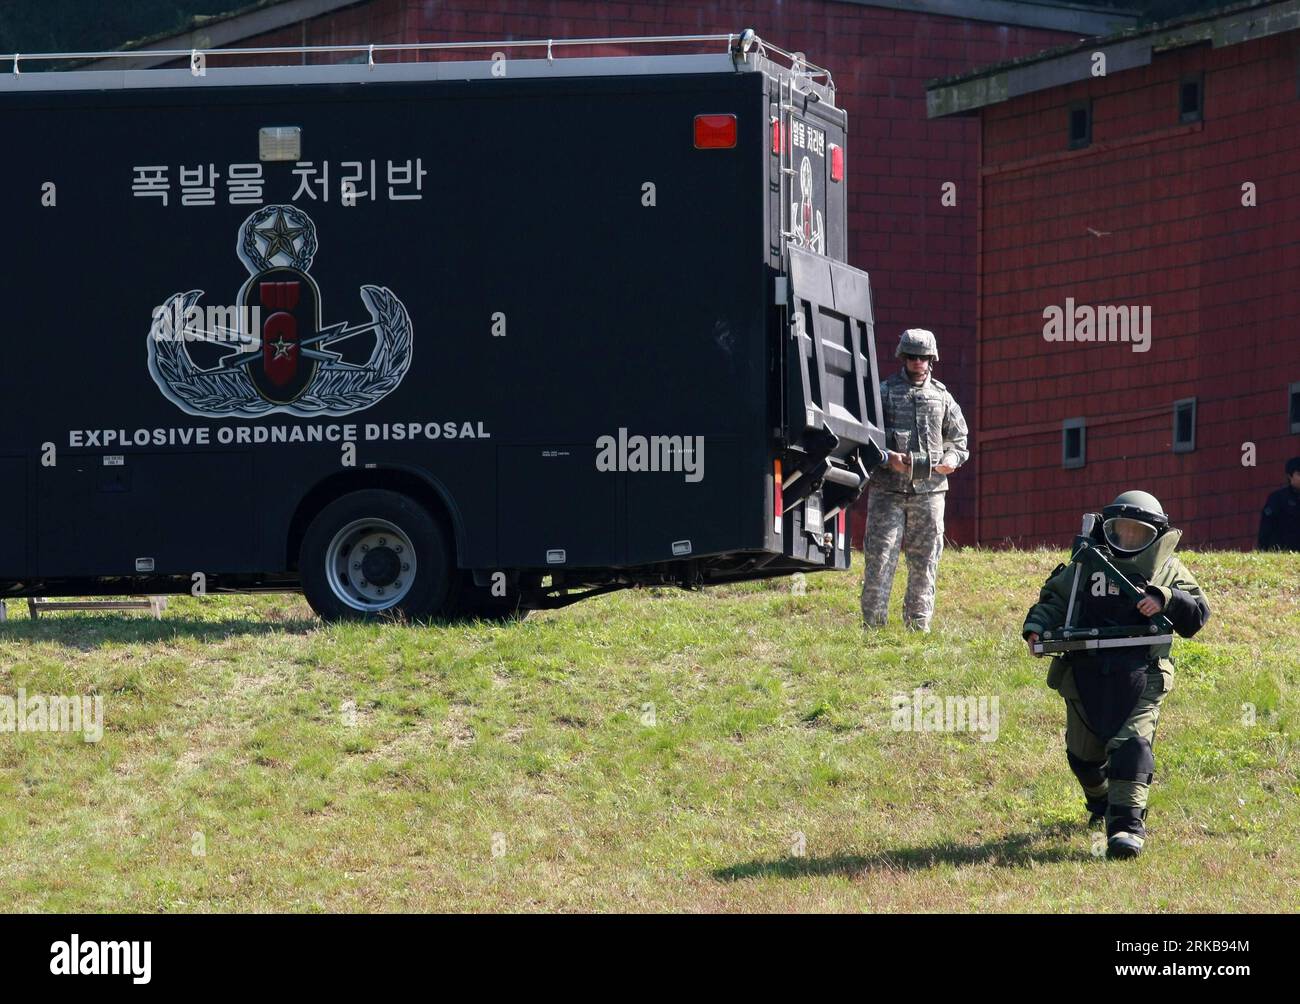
column 1113, row 695
column 925, row 433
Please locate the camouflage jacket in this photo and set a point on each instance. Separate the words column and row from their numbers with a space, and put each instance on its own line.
column 919, row 419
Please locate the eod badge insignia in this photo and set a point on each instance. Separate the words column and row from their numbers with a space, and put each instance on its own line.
column 287, row 365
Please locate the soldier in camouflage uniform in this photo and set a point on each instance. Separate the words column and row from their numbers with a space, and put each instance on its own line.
column 1113, row 695
column 925, row 435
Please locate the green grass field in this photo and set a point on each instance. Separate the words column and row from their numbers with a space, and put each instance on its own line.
column 647, row 750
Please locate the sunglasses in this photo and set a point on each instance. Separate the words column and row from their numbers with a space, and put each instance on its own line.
column 909, row 355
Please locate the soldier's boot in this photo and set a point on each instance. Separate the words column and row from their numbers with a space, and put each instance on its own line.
column 1092, row 778
column 917, row 611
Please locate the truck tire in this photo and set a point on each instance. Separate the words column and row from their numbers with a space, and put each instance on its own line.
column 376, row 554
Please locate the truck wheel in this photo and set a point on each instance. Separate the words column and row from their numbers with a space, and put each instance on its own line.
column 374, row 554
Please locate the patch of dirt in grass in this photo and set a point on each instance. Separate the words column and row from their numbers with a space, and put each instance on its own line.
column 456, row 729
column 418, row 738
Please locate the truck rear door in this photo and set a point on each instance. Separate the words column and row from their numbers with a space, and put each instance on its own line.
column 830, row 423
column 832, row 394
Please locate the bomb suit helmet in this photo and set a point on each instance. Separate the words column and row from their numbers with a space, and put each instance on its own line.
column 1133, row 522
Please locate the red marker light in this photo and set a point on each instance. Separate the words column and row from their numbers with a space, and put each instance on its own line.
column 715, row 132
column 837, row 162
column 776, row 136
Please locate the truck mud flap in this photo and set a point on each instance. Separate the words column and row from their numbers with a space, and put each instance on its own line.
column 833, row 415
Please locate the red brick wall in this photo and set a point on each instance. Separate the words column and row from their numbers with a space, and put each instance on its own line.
column 921, row 256
column 1221, row 280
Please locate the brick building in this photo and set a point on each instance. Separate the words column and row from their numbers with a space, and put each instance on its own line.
column 1170, row 183
column 921, row 255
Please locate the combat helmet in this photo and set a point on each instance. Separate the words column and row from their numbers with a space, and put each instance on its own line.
column 918, row 342
column 1133, row 521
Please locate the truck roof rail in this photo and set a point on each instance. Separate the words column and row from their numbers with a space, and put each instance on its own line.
column 737, row 43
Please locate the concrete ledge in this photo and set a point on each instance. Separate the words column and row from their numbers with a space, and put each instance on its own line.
column 225, row 31
column 1083, row 19
column 969, row 92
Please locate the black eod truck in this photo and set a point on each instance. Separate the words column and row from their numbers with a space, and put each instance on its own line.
column 429, row 338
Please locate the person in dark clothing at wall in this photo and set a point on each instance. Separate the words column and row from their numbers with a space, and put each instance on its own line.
column 1279, row 523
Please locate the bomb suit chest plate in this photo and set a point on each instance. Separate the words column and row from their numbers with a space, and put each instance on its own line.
column 1101, row 603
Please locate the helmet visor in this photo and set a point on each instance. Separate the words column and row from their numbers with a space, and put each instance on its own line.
column 1128, row 535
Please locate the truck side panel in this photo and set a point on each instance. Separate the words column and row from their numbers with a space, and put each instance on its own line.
column 570, row 265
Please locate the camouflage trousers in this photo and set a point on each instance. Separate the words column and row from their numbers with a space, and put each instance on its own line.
column 913, row 524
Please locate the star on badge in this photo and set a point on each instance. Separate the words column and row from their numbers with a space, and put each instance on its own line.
column 280, row 238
